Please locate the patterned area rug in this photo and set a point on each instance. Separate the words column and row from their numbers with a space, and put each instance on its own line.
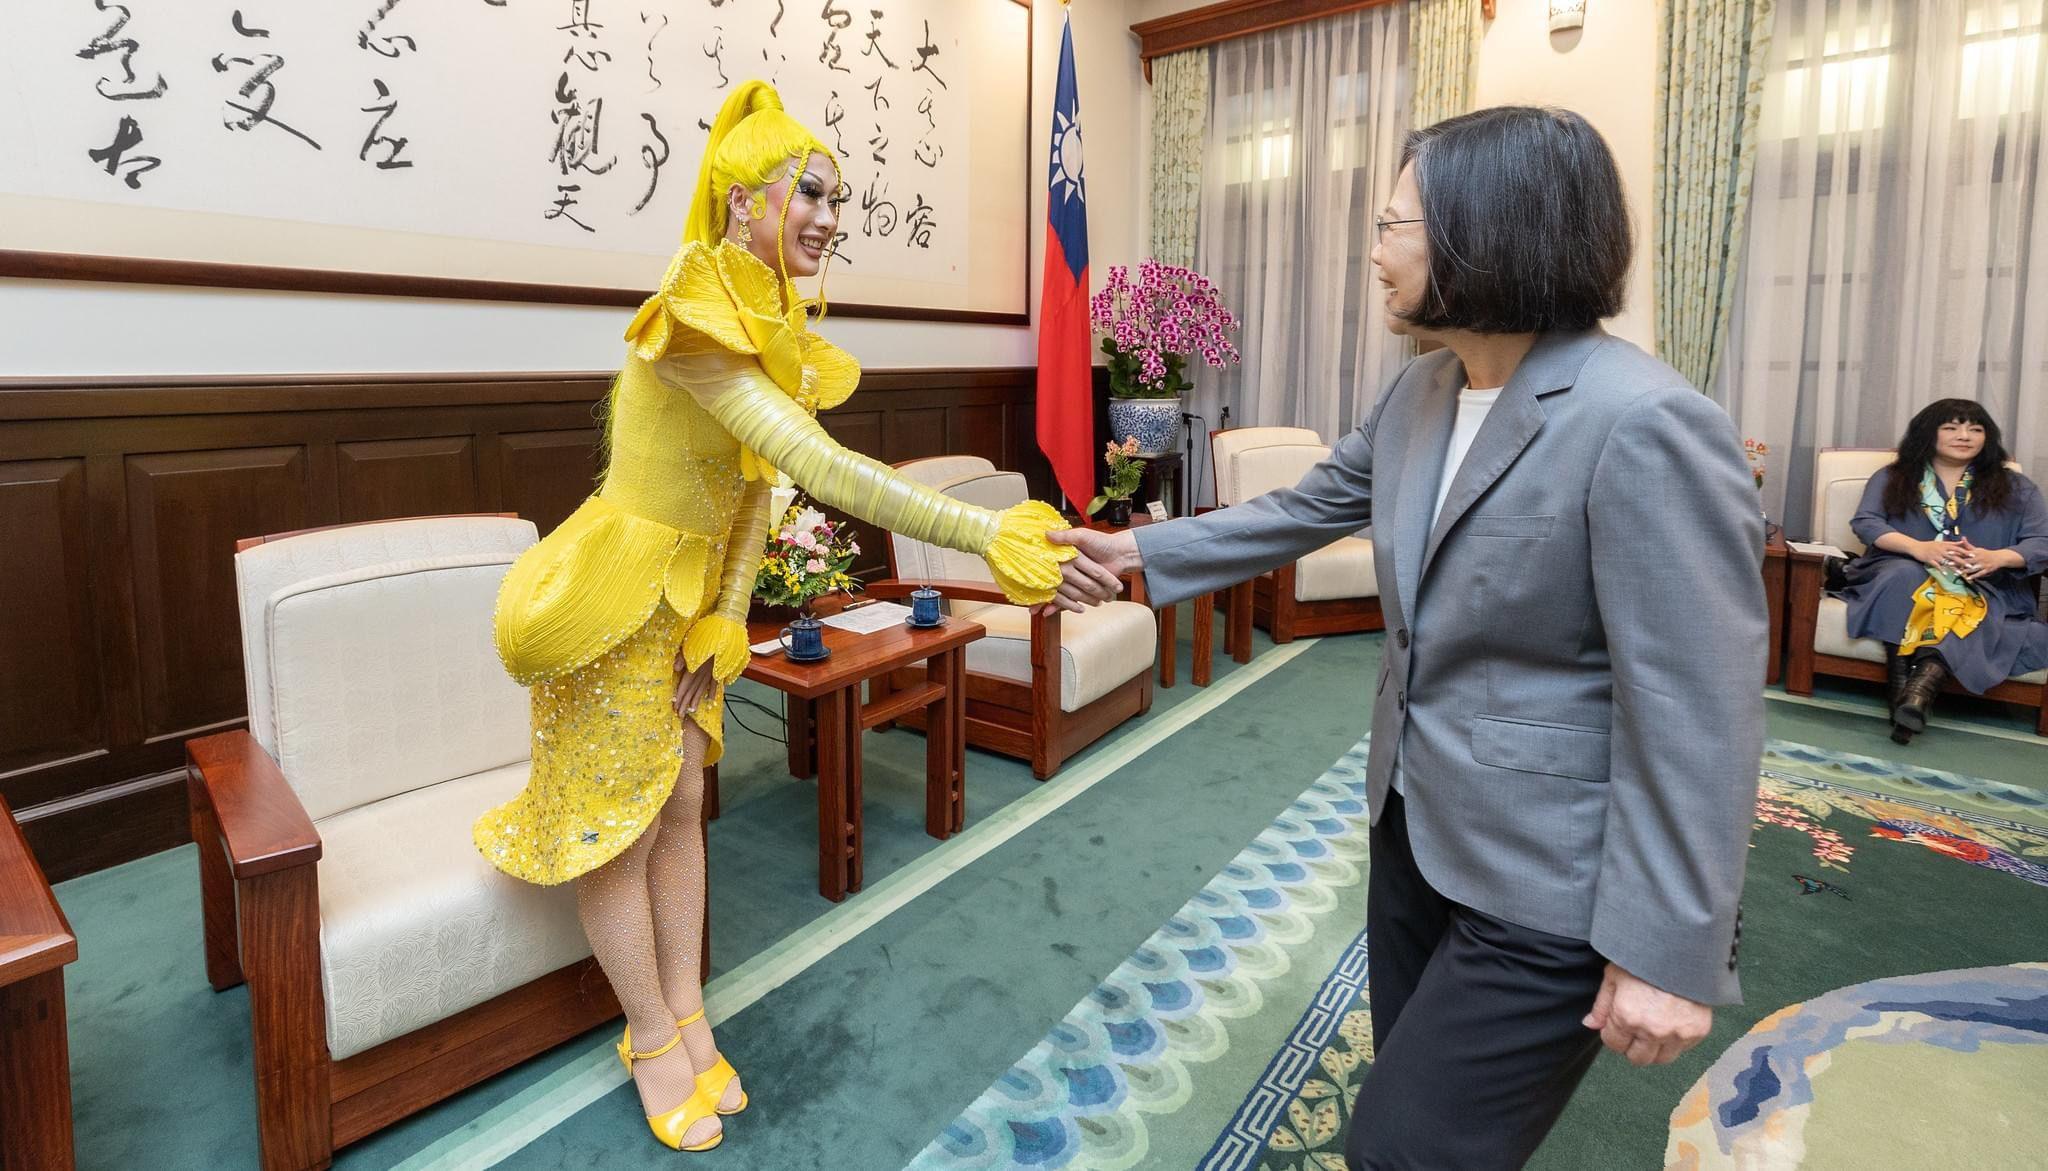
column 1297, row 1112
column 1090, row 1094
column 1832, row 828
column 1946, row 1068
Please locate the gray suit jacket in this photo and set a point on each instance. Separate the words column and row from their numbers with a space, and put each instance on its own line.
column 1573, row 670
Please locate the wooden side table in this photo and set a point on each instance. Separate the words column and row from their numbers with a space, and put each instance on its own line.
column 35, row 1056
column 826, row 717
column 1160, row 470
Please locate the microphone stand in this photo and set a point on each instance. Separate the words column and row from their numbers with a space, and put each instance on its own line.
column 1194, row 486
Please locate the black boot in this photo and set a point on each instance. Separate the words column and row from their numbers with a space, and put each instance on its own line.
column 1897, row 669
column 1916, row 698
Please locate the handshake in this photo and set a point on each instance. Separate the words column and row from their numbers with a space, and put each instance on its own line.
column 1094, row 576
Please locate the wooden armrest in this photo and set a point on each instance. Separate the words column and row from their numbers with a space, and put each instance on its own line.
column 955, row 588
column 264, row 824
column 34, row 935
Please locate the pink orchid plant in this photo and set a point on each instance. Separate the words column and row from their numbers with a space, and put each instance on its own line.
column 1153, row 325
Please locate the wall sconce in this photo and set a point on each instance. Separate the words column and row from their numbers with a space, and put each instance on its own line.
column 1567, row 14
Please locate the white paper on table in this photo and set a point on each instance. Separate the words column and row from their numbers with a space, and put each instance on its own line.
column 766, row 648
column 870, row 618
column 1815, row 548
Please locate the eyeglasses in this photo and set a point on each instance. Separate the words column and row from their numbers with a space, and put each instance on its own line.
column 1381, row 226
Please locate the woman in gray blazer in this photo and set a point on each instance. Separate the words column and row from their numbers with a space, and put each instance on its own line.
column 1568, row 719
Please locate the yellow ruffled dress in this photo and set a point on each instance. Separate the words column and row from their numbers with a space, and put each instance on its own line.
column 719, row 389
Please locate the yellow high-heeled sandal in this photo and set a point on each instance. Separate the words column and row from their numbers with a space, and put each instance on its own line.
column 712, row 1082
column 670, row 1126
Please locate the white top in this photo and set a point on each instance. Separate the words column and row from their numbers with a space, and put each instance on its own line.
column 1472, row 408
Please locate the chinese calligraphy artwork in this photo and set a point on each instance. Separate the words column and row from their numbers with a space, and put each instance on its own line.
column 565, row 132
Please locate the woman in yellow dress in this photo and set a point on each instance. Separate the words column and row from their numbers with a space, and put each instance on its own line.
column 718, row 390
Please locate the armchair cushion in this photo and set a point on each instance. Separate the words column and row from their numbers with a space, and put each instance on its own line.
column 1831, row 637
column 1100, row 649
column 264, row 569
column 383, row 679
column 1226, row 448
column 1259, row 470
column 967, row 478
column 415, row 926
column 1831, row 634
column 1839, row 476
column 1342, row 569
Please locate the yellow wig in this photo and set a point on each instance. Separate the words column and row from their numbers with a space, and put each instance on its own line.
column 754, row 143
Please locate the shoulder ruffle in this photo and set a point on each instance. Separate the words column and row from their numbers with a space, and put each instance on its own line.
column 726, row 294
column 592, row 582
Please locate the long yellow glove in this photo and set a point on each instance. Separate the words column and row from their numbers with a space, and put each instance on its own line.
column 721, row 635
column 735, row 390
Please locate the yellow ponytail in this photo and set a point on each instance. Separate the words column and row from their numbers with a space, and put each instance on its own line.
column 753, row 143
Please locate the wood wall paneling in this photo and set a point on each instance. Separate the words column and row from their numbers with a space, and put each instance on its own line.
column 979, row 429
column 384, row 478
column 51, row 701
column 547, row 474
column 186, row 510
column 920, row 429
column 864, row 431
column 121, row 500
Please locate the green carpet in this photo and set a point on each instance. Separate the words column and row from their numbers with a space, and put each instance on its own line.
column 866, row 1030
column 1009, row 943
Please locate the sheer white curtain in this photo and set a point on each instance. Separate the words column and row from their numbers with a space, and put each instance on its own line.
column 1303, row 145
column 1898, row 238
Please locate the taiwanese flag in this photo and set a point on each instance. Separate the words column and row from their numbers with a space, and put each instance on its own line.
column 1066, row 409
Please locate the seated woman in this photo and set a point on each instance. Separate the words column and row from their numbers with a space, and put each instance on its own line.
column 1953, row 535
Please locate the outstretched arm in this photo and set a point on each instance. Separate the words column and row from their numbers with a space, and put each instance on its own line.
column 742, row 398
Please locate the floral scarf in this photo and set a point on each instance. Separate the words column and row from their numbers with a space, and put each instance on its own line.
column 1944, row 604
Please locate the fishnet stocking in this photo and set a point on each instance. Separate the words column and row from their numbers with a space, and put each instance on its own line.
column 675, row 881
column 612, row 902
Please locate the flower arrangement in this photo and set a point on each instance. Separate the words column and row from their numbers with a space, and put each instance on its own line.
column 1756, row 452
column 1125, row 470
column 807, row 558
column 1152, row 326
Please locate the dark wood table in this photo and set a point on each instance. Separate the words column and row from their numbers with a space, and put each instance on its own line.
column 1777, row 572
column 1159, row 472
column 35, row 1056
column 826, row 716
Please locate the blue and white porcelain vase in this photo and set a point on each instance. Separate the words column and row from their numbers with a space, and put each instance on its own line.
column 1155, row 422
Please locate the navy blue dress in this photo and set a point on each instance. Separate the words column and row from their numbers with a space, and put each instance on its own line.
column 2012, row 639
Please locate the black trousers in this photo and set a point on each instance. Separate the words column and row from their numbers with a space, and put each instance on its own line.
column 1476, row 1024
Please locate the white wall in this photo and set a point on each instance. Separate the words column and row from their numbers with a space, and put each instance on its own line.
column 1606, row 71
column 54, row 328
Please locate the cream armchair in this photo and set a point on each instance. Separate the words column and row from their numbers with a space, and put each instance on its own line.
column 388, row 965
column 1040, row 688
column 1332, row 590
column 1817, row 637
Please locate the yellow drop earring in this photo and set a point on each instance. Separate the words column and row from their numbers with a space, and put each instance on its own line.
column 746, row 235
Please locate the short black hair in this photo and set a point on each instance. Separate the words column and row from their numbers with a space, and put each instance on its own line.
column 1528, row 229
